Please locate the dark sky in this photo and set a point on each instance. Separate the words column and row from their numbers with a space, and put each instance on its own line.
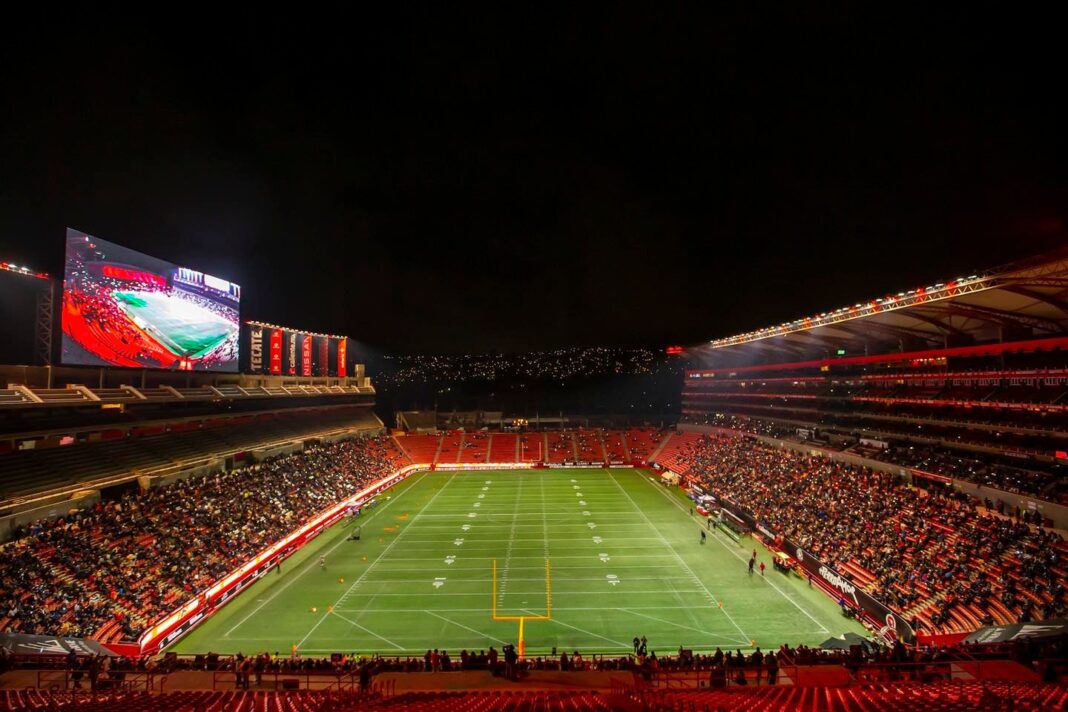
column 442, row 180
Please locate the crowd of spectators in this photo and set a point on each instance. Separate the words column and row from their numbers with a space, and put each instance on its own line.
column 987, row 470
column 922, row 552
column 122, row 564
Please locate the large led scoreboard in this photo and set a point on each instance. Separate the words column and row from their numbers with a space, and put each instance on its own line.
column 281, row 351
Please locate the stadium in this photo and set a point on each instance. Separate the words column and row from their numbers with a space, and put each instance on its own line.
column 579, row 358
column 864, row 506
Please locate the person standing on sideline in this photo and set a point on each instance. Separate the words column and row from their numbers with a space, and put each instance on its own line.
column 752, row 563
column 636, row 644
column 757, row 660
column 761, row 568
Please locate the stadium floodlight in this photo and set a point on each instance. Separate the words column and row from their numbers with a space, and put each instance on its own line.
column 19, row 269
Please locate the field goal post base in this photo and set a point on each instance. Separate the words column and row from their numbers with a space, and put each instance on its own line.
column 521, row 645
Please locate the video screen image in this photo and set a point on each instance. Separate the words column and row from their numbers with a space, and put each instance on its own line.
column 124, row 308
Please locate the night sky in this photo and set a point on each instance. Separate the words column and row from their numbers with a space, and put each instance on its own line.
column 439, row 180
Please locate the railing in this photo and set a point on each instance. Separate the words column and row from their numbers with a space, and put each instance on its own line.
column 317, row 680
column 112, row 680
column 964, row 668
column 699, row 678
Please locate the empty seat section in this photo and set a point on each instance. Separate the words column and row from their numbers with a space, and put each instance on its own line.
column 422, row 449
column 561, row 447
column 503, row 447
column 474, row 448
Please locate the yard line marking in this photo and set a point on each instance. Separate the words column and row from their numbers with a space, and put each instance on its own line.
column 544, row 519
column 563, row 608
column 685, row 627
column 503, row 585
column 372, row 565
column 500, row 513
column 581, row 630
column 584, row 557
column 679, row 558
column 480, row 569
column 462, row 580
column 823, row 629
column 700, row 647
column 461, row 625
column 365, row 628
column 307, row 563
column 450, row 529
column 556, row 594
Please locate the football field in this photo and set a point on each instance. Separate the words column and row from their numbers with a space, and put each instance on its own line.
column 624, row 560
column 185, row 328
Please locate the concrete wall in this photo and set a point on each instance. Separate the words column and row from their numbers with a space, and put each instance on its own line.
column 1057, row 513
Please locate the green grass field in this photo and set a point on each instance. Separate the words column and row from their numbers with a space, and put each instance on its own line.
column 185, row 328
column 625, row 558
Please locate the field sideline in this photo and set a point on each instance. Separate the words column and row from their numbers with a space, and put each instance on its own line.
column 625, row 561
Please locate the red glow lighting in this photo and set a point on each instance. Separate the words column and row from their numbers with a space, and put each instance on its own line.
column 9, row 267
column 131, row 275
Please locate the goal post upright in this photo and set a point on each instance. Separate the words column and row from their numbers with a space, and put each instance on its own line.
column 523, row 619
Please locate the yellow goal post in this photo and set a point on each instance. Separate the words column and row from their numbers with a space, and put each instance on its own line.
column 529, row 617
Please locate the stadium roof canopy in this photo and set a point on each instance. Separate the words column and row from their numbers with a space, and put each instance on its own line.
column 1022, row 301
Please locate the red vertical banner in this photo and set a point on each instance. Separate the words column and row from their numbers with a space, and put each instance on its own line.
column 306, row 356
column 324, row 355
column 291, row 352
column 342, row 355
column 276, row 352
